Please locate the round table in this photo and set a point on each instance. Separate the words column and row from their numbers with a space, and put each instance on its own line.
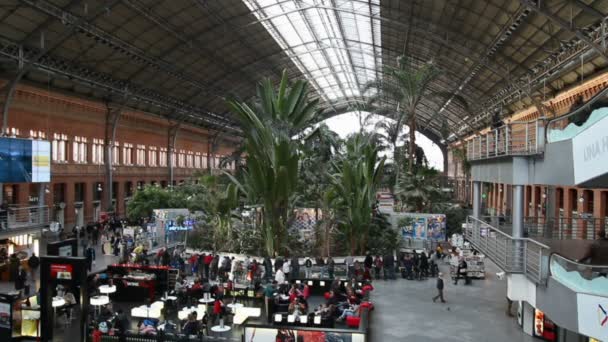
column 98, row 301
column 107, row 289
column 219, row 328
column 206, row 301
column 235, row 305
column 58, row 301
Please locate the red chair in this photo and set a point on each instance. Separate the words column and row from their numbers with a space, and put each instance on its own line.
column 327, row 295
column 353, row 321
column 368, row 305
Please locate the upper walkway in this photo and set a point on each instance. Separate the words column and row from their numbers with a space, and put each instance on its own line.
column 569, row 150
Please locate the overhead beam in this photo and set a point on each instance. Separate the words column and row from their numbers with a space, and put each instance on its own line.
column 25, row 66
column 587, row 9
column 102, row 81
column 124, row 47
column 506, row 31
column 542, row 10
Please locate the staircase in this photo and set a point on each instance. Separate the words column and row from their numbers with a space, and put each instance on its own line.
column 512, row 255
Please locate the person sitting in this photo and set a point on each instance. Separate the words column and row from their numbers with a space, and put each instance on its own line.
column 294, row 293
column 191, row 326
column 351, row 310
column 146, row 327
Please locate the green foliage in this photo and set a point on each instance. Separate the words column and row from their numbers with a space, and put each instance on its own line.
column 406, row 84
column 272, row 170
column 357, row 174
column 151, row 197
column 385, row 238
column 417, row 192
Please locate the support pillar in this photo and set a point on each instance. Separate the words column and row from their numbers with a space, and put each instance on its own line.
column 550, row 211
column 112, row 117
column 171, row 139
column 517, row 211
column 477, row 200
column 41, row 202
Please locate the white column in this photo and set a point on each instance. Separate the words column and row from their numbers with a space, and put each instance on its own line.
column 477, row 199
column 517, row 211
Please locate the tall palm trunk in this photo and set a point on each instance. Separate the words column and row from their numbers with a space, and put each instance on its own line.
column 412, row 145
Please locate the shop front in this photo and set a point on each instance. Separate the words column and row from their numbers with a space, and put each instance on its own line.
column 14, row 251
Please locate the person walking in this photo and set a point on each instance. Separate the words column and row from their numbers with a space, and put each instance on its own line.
column 208, row 260
column 295, row 267
column 90, row 255
column 439, row 288
column 350, row 265
column 286, row 268
column 461, row 271
column 378, row 267
column 20, row 281
column 269, row 293
column 308, row 268
column 267, row 268
column 597, row 253
column 331, row 265
column 33, row 262
column 214, row 267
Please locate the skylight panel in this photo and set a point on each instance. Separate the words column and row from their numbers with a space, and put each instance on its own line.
column 334, row 43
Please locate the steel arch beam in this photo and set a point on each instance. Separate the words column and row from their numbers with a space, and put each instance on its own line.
column 542, row 10
column 10, row 88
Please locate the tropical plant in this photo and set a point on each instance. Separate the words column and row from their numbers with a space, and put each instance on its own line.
column 385, row 238
column 151, row 197
column 418, row 191
column 405, row 84
column 269, row 126
column 357, row 175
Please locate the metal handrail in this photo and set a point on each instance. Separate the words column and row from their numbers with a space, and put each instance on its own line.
column 582, row 270
column 513, row 255
column 591, row 101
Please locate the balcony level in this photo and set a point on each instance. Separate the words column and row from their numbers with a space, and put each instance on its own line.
column 544, row 271
column 570, row 150
column 23, row 220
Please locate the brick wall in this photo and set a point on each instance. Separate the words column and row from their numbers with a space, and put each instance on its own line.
column 52, row 112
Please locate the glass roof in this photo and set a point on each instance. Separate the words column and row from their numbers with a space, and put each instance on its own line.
column 334, row 43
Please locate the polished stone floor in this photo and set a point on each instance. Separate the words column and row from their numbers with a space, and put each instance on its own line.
column 405, row 311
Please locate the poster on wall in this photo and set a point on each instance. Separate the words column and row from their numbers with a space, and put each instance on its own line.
column 436, row 227
column 61, row 271
column 5, row 315
column 25, row 161
column 413, row 228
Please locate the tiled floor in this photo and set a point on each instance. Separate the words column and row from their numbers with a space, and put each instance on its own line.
column 405, row 312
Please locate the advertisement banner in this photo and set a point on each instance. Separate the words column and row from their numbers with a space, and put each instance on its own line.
column 61, row 271
column 593, row 316
column 436, row 228
column 25, row 161
column 589, row 152
column 414, row 228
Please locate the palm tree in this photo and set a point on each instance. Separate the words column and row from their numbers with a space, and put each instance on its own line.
column 405, row 84
column 271, row 176
column 417, row 191
column 357, row 175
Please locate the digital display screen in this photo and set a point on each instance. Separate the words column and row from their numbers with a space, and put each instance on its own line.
column 25, row 161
